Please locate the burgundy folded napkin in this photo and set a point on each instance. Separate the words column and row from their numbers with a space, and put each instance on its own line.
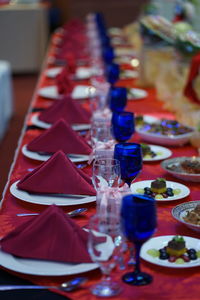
column 68, row 109
column 50, row 236
column 189, row 90
column 60, row 136
column 57, row 175
column 64, row 84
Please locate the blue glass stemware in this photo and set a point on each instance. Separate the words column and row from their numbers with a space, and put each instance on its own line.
column 123, row 126
column 138, row 221
column 112, row 72
column 117, row 98
column 130, row 158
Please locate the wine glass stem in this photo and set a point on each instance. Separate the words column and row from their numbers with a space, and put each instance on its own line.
column 137, row 257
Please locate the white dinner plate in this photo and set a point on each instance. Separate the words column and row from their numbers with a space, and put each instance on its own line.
column 53, row 72
column 136, row 94
column 34, row 155
column 77, row 127
column 81, row 73
column 48, row 200
column 124, row 51
column 128, row 74
column 51, row 268
column 162, row 241
column 170, row 184
column 79, row 92
column 161, row 153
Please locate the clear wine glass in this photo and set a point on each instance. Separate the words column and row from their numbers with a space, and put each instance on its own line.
column 130, row 157
column 106, row 173
column 107, row 226
column 138, row 221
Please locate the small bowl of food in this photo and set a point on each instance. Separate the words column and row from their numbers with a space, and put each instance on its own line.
column 188, row 213
column 185, row 168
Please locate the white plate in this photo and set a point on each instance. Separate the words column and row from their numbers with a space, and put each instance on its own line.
column 136, row 94
column 126, row 74
column 77, row 127
column 123, row 51
column 79, row 92
column 37, row 156
column 51, row 268
column 175, row 140
column 81, row 73
column 180, row 211
column 53, row 72
column 170, row 184
column 161, row 153
column 181, row 175
column 46, row 200
column 162, row 241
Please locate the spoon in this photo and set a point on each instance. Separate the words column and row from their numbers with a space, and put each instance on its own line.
column 72, row 213
column 65, row 286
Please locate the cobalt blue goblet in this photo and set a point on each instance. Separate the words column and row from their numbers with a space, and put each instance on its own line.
column 112, row 72
column 107, row 53
column 117, row 98
column 130, row 158
column 123, row 126
column 138, row 222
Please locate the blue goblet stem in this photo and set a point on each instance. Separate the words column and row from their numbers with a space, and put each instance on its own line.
column 137, row 257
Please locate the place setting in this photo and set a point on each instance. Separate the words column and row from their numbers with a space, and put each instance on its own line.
column 72, row 112
column 57, row 138
column 55, row 182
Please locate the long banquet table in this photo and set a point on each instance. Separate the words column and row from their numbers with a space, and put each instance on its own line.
column 168, row 283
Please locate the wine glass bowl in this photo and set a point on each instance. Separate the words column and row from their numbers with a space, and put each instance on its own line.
column 117, row 98
column 138, row 221
column 107, row 227
column 130, row 157
column 106, row 173
column 123, row 126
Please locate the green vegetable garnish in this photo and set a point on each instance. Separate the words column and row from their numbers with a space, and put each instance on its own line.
column 178, row 238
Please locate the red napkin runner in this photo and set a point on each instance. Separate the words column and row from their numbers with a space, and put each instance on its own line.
column 57, row 175
column 68, row 109
column 64, row 83
column 51, row 236
column 60, row 136
column 194, row 71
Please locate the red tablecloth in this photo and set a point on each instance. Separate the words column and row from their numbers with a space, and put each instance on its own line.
column 168, row 283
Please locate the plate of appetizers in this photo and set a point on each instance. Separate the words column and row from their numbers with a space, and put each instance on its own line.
column 188, row 213
column 185, row 168
column 161, row 189
column 79, row 92
column 37, row 122
column 172, row 251
column 136, row 94
column 49, row 199
column 154, row 153
column 163, row 131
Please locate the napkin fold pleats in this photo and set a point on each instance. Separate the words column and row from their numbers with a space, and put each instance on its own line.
column 68, row 109
column 57, row 175
column 50, row 236
column 64, row 83
column 60, row 136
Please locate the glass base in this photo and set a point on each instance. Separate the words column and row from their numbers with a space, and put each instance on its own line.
column 137, row 278
column 105, row 289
